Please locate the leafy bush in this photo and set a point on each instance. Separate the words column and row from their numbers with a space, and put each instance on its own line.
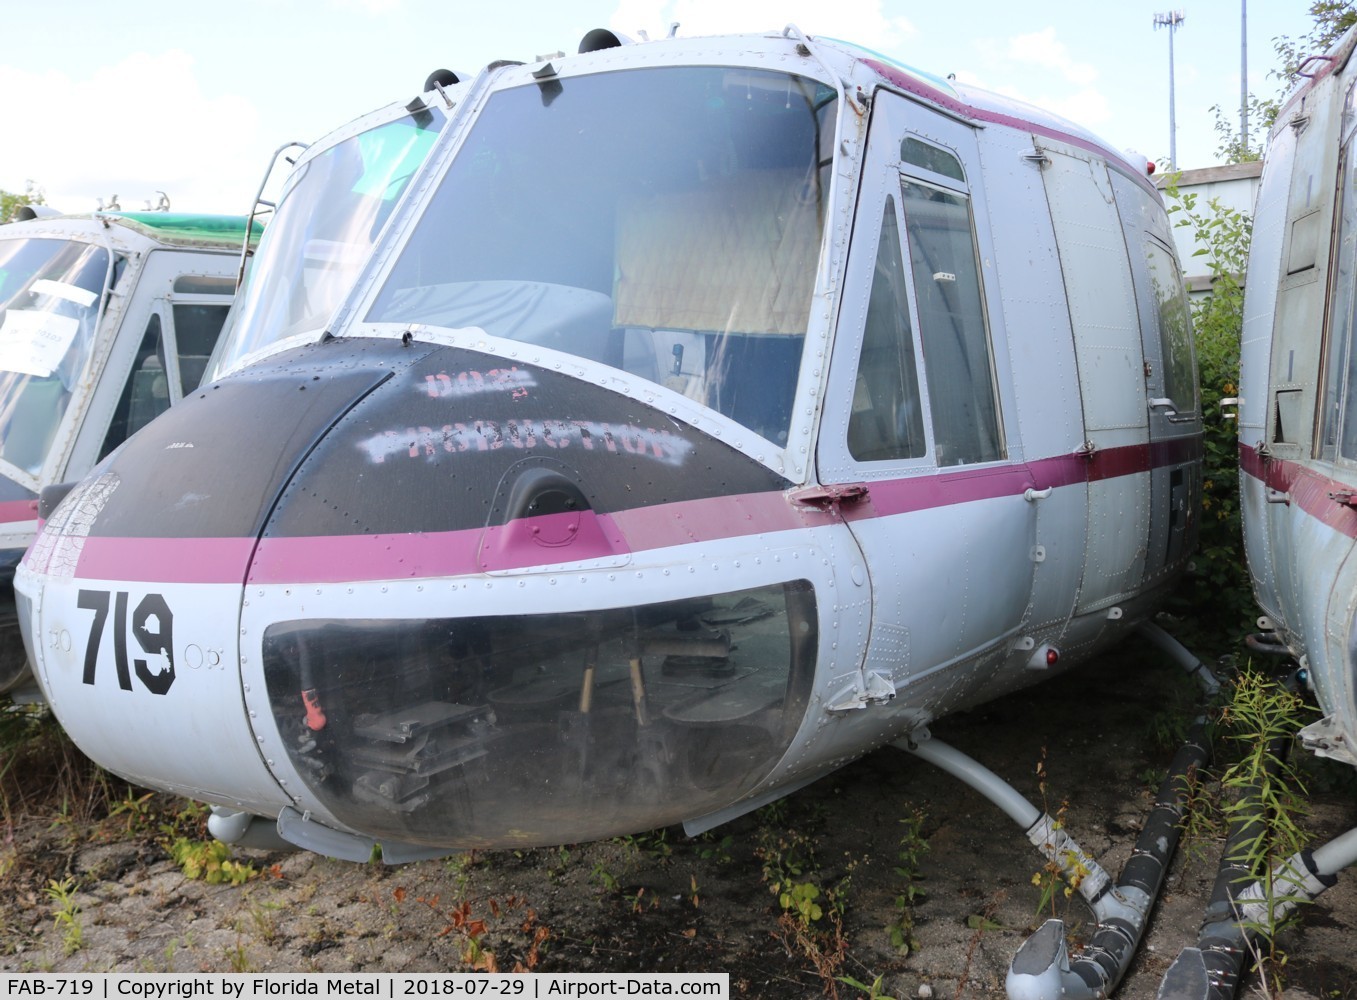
column 1217, row 596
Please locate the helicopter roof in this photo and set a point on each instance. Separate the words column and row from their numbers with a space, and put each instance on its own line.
column 182, row 229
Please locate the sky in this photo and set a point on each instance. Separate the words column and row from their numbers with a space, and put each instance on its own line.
column 99, row 99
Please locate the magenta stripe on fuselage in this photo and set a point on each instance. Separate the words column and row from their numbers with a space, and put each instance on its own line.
column 18, row 511
column 328, row 559
column 1305, row 487
column 911, row 85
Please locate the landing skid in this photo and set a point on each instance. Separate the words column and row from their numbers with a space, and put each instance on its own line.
column 1042, row 969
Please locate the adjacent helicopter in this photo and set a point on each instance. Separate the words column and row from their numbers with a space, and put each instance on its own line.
column 112, row 318
column 1297, row 413
column 708, row 413
column 106, row 320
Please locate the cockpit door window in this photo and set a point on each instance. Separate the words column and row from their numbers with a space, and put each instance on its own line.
column 953, row 325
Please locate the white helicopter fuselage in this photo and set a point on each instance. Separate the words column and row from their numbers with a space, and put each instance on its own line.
column 1297, row 422
column 711, row 412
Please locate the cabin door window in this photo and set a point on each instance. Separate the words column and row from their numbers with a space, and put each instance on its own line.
column 177, row 340
column 1175, row 330
column 1337, row 422
column 146, row 394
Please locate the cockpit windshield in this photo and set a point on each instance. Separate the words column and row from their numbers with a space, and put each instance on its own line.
column 328, row 217
column 663, row 221
column 50, row 291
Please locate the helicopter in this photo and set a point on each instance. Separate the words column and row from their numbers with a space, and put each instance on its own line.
column 179, row 286
column 1297, row 433
column 106, row 320
column 708, row 413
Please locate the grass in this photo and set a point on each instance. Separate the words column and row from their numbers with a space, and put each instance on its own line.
column 42, row 772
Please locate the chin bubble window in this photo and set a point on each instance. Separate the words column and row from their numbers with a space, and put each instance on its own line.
column 543, row 728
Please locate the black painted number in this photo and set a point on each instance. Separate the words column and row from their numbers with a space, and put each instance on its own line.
column 152, row 626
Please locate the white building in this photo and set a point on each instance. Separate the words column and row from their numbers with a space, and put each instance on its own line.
column 1235, row 185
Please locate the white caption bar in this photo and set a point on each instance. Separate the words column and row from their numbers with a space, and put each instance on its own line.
column 240, row 986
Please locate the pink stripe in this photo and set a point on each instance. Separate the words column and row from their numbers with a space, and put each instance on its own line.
column 12, row 511
column 713, row 518
column 332, row 559
column 568, row 538
column 167, row 560
column 335, row 559
column 902, row 496
column 1308, row 489
column 915, row 86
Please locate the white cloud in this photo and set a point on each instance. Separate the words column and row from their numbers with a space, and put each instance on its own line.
column 1043, row 49
column 863, row 23
column 132, row 128
column 373, row 7
column 1089, row 108
column 1063, row 85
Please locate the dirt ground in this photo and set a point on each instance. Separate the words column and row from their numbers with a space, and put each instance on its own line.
column 664, row 902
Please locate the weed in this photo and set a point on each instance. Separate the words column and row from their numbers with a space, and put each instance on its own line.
column 264, row 918
column 562, row 861
column 711, row 849
column 138, row 813
column 638, row 900
column 981, row 923
column 810, row 921
column 189, row 820
column 237, row 958
column 1262, row 717
column 605, row 878
column 460, row 866
column 210, row 860
column 910, row 850
column 774, row 814
column 65, row 912
column 800, row 899
column 1202, row 828
column 872, row 992
column 785, row 855
column 470, row 930
column 654, row 844
column 1059, row 877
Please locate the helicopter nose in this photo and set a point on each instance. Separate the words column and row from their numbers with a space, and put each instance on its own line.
column 414, row 593
column 459, row 629
column 131, row 593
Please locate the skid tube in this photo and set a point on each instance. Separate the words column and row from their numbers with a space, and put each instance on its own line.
column 1239, row 906
column 1212, row 970
column 1042, row 968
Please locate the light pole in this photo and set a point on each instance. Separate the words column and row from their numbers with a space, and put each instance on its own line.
column 1244, row 76
column 1171, row 20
